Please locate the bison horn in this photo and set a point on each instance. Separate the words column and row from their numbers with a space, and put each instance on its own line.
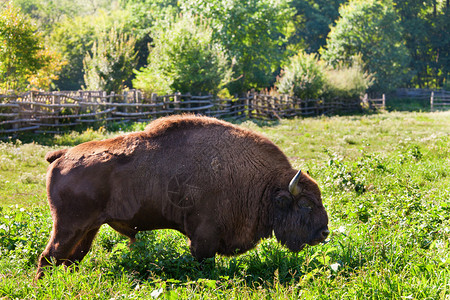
column 293, row 185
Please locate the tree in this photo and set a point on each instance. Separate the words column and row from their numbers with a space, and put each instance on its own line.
column 139, row 17
column 313, row 20
column 47, row 13
column 111, row 63
column 370, row 28
column 425, row 27
column 45, row 77
column 184, row 58
column 73, row 38
column 253, row 32
column 23, row 56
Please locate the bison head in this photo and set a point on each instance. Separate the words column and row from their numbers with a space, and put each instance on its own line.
column 299, row 215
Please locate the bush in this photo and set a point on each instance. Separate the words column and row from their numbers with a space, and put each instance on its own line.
column 184, row 59
column 346, row 82
column 307, row 77
column 303, row 77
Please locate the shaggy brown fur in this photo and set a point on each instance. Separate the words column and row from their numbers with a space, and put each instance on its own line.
column 223, row 186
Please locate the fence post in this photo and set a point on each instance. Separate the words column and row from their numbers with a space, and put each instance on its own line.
column 56, row 100
column 431, row 101
column 250, row 99
column 366, row 100
column 384, row 102
column 212, row 102
column 32, row 100
column 177, row 101
column 153, row 99
column 16, row 125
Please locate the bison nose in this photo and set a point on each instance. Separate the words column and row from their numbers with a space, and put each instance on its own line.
column 325, row 233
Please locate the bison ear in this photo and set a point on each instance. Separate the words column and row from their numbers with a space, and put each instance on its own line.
column 283, row 200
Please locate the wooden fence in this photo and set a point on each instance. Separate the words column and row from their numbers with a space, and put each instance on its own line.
column 439, row 100
column 374, row 103
column 413, row 93
column 54, row 112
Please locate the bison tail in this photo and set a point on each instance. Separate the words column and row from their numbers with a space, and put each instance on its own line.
column 54, row 155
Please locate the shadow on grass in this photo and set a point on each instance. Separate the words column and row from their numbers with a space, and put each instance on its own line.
column 184, row 269
column 169, row 260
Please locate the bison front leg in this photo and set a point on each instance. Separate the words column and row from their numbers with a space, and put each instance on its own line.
column 83, row 247
column 204, row 243
column 61, row 249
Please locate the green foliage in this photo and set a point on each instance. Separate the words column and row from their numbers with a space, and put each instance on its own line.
column 372, row 29
column 22, row 52
column 47, row 14
column 346, row 83
column 425, row 25
column 139, row 18
column 74, row 26
column 402, row 43
column 303, row 77
column 184, row 59
column 111, row 63
column 74, row 38
column 313, row 20
column 308, row 77
column 23, row 233
column 254, row 33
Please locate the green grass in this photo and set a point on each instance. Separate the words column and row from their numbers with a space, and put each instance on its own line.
column 385, row 180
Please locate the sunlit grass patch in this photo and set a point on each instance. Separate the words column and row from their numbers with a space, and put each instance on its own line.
column 385, row 182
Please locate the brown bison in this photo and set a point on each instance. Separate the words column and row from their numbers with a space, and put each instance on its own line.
column 222, row 186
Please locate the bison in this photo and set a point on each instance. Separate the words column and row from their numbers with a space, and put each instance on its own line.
column 222, row 186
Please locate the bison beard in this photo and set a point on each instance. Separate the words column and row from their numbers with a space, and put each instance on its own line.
column 222, row 186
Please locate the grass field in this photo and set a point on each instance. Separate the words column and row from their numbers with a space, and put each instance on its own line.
column 385, row 180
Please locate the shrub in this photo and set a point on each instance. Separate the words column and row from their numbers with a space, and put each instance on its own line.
column 184, row 59
column 346, row 82
column 303, row 77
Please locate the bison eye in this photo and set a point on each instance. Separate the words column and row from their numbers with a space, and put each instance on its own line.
column 305, row 203
column 283, row 201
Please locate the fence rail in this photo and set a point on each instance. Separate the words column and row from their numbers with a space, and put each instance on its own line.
column 374, row 103
column 440, row 100
column 53, row 112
